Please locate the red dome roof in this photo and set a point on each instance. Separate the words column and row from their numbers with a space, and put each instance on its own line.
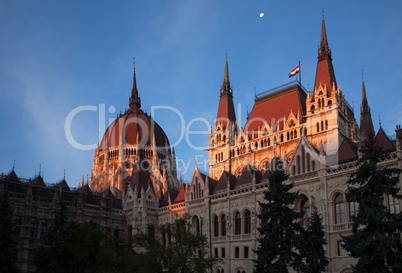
column 136, row 128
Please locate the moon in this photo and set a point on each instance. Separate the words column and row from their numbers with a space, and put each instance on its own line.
column 261, row 14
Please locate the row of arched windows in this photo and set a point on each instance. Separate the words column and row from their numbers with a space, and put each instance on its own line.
column 197, row 191
column 219, row 157
column 114, row 153
column 242, row 223
column 292, row 135
column 322, row 126
column 130, row 151
column 303, row 163
column 240, row 150
column 341, row 212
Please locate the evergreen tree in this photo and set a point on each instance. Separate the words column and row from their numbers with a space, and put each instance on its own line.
column 280, row 230
column 59, row 224
column 371, row 241
column 184, row 252
column 8, row 254
column 312, row 246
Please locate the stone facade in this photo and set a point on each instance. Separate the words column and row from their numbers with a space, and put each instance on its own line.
column 134, row 188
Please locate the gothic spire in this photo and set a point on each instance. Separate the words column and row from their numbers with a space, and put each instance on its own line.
column 325, row 75
column 226, row 113
column 366, row 123
column 135, row 101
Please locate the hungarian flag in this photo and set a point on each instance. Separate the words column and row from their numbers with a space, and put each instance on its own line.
column 294, row 71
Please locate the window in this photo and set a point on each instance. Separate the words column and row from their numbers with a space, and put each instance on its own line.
column 313, row 165
column 308, row 162
column 326, row 124
column 237, row 252
column 246, row 252
column 318, row 127
column 196, row 224
column 339, row 209
column 322, row 125
column 116, row 233
column 223, row 254
column 216, row 253
column 32, row 231
column 43, row 227
column 247, row 222
column 237, row 223
column 223, row 225
column 298, row 164
column 353, row 209
column 341, row 250
column 393, row 204
column 305, row 208
column 216, row 226
column 17, row 225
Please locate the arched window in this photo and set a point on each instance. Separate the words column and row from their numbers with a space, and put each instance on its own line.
column 318, row 127
column 293, row 170
column 196, row 224
column 339, row 209
column 237, row 222
column 353, row 209
column 281, row 137
column 291, row 135
column 216, row 226
column 269, row 142
column 298, row 164
column 393, row 204
column 308, row 162
column 322, row 125
column 326, row 124
column 247, row 222
column 312, row 109
column 151, row 231
column 329, row 104
column 223, row 225
column 305, row 208
column 319, row 103
column 322, row 102
column 295, row 134
column 313, row 165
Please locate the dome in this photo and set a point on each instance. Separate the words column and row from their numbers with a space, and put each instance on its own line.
column 134, row 127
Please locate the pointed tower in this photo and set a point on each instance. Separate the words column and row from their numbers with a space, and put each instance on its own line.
column 135, row 101
column 226, row 113
column 366, row 123
column 325, row 75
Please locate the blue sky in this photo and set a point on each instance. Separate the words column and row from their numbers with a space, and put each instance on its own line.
column 56, row 56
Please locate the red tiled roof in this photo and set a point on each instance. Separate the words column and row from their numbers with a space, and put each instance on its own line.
column 347, row 152
column 140, row 179
column 226, row 111
column 181, row 194
column 382, row 140
column 325, row 75
column 246, row 178
column 128, row 124
column 221, row 185
column 273, row 107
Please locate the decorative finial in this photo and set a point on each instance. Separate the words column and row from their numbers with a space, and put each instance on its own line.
column 255, row 94
column 64, row 177
column 226, row 54
column 322, row 12
column 362, row 75
column 134, row 63
column 379, row 120
column 40, row 168
column 14, row 165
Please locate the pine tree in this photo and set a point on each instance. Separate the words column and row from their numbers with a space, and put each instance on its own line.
column 371, row 241
column 8, row 254
column 312, row 246
column 280, row 231
column 59, row 224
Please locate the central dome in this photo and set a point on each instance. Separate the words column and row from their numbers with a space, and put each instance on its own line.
column 134, row 128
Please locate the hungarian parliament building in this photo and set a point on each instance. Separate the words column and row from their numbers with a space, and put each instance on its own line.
column 134, row 186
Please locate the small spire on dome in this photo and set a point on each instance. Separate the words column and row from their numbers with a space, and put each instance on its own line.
column 135, row 101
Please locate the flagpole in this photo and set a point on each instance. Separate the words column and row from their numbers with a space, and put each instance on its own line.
column 299, row 73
